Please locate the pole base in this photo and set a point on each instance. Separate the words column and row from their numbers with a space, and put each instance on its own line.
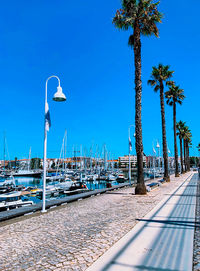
column 44, row 211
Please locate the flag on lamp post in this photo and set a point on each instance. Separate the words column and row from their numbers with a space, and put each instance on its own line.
column 158, row 145
column 47, row 117
column 130, row 144
column 154, row 150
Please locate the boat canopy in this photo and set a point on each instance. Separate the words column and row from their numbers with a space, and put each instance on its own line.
column 10, row 195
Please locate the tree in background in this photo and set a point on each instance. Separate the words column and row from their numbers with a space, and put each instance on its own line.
column 160, row 75
column 198, row 147
column 175, row 96
column 188, row 142
column 35, row 163
column 180, row 132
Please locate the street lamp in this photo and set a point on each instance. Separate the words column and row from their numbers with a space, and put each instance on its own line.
column 168, row 160
column 158, row 147
column 130, row 148
column 59, row 96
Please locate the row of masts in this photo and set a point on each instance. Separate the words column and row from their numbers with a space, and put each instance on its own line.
column 97, row 161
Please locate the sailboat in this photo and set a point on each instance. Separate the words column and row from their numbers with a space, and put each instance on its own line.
column 27, row 172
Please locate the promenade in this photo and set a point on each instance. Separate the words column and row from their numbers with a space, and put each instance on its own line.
column 162, row 240
column 76, row 235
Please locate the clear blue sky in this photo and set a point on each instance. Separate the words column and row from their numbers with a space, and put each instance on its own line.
column 77, row 41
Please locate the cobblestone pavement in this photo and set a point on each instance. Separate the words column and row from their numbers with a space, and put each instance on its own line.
column 73, row 236
column 196, row 256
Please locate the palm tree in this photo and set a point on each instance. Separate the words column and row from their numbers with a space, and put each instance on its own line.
column 175, row 96
column 187, row 141
column 141, row 16
column 198, row 147
column 160, row 75
column 180, row 127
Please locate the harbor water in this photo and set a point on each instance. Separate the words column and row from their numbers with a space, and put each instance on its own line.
column 38, row 183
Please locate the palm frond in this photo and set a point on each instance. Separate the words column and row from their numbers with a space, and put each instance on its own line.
column 175, row 94
column 145, row 12
column 151, row 82
column 131, row 41
column 160, row 74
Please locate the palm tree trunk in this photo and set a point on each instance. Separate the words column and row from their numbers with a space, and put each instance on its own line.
column 165, row 155
column 185, row 169
column 188, row 156
column 140, row 187
column 181, row 153
column 175, row 141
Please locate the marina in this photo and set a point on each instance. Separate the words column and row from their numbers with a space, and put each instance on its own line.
column 99, row 141
column 29, row 190
column 73, row 216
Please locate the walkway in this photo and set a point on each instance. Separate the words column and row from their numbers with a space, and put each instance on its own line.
column 73, row 236
column 162, row 240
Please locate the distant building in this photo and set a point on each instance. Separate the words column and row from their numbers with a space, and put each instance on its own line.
column 124, row 161
column 14, row 163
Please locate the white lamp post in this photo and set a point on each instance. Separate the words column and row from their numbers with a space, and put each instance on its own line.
column 129, row 147
column 59, row 96
column 158, row 147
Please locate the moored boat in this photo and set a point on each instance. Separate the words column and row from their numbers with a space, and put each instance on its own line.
column 12, row 200
column 27, row 173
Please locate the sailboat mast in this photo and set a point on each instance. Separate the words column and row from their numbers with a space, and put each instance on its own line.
column 4, row 151
column 65, row 149
column 29, row 159
column 105, row 158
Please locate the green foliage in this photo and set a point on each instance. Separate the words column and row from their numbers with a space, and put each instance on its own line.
column 180, row 128
column 143, row 13
column 159, row 75
column 174, row 95
column 194, row 161
column 35, row 163
column 187, row 135
column 184, row 132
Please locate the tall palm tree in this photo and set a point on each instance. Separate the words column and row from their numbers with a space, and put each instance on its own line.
column 198, row 147
column 175, row 96
column 187, row 137
column 141, row 16
column 160, row 75
column 188, row 154
column 180, row 127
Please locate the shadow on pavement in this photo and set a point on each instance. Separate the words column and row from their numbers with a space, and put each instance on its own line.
column 166, row 238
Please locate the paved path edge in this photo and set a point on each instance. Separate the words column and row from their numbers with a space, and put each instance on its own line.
column 103, row 261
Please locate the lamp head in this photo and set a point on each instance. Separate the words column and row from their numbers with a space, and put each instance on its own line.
column 59, row 96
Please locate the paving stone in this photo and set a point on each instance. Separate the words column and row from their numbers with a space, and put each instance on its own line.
column 196, row 253
column 72, row 237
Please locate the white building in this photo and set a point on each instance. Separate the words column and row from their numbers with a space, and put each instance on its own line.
column 124, row 161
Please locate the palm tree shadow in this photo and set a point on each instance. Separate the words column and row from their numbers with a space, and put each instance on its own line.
column 192, row 224
column 166, row 238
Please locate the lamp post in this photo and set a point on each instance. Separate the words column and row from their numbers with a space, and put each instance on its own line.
column 59, row 96
column 158, row 147
column 129, row 156
column 169, row 160
column 154, row 158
